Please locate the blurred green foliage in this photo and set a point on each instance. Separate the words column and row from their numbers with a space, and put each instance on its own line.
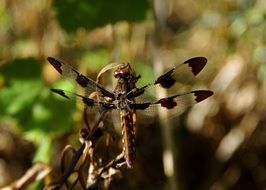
column 89, row 14
column 29, row 101
column 95, row 60
column 26, row 98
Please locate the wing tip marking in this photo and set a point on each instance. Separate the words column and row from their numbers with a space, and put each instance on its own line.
column 197, row 64
column 201, row 95
column 55, row 63
column 60, row 92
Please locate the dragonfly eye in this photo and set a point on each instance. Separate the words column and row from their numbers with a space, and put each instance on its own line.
column 118, row 74
column 123, row 72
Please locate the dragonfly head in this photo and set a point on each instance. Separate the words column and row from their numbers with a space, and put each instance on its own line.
column 124, row 71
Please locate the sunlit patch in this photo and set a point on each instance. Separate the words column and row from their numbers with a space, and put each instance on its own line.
column 168, row 161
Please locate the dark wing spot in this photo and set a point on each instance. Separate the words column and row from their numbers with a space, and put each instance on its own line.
column 106, row 92
column 81, row 79
column 166, row 80
column 60, row 92
column 56, row 64
column 168, row 103
column 89, row 102
column 141, row 106
column 197, row 64
column 86, row 82
column 136, row 92
column 201, row 95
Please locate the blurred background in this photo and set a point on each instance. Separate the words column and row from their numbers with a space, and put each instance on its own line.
column 217, row 144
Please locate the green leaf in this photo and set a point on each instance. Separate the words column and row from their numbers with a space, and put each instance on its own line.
column 21, row 69
column 89, row 14
column 22, row 83
column 26, row 99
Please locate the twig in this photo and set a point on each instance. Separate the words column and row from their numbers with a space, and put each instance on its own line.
column 36, row 172
column 101, row 178
column 77, row 155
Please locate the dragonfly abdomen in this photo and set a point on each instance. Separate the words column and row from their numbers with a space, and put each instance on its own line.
column 128, row 137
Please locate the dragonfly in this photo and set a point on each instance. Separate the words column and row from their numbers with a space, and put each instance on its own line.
column 124, row 97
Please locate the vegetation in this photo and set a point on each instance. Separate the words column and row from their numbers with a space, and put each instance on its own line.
column 217, row 144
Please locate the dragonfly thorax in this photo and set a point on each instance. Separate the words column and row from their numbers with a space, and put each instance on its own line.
column 123, row 102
